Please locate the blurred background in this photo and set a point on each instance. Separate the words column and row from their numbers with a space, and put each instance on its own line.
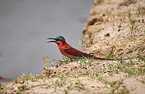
column 25, row 26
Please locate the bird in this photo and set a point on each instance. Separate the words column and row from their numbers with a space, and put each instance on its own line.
column 70, row 52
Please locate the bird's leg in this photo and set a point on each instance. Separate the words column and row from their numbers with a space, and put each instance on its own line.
column 71, row 59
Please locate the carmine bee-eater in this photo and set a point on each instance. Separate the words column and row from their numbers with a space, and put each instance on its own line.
column 71, row 52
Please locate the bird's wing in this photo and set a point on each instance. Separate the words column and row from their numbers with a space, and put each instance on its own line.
column 72, row 51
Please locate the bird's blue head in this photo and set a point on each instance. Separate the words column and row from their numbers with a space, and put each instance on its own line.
column 56, row 39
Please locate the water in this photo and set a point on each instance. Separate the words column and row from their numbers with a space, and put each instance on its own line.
column 26, row 24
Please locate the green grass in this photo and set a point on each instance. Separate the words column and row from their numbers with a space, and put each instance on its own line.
column 79, row 85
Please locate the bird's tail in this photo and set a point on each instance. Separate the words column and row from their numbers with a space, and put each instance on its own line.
column 100, row 58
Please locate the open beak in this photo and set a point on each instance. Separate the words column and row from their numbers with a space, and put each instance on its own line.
column 52, row 39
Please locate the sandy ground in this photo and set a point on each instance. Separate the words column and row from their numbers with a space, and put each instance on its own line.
column 115, row 28
column 83, row 77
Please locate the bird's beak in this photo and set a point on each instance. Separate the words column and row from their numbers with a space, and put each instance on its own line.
column 51, row 41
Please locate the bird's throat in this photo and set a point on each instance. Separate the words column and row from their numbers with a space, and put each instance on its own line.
column 59, row 43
